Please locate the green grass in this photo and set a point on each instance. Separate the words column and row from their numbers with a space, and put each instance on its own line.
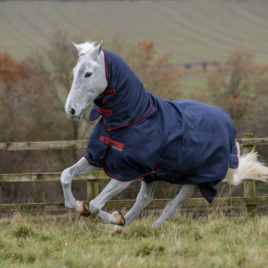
column 195, row 31
column 216, row 241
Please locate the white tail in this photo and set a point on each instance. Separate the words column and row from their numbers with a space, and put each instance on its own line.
column 249, row 168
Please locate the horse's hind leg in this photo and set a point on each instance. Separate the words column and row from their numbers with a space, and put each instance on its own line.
column 144, row 197
column 185, row 193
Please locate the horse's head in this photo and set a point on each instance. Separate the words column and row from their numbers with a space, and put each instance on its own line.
column 89, row 79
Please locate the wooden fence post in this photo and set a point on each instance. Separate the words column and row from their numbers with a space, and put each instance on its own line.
column 92, row 189
column 249, row 185
column 92, row 192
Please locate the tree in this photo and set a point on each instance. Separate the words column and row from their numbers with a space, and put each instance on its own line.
column 25, row 108
column 55, row 67
column 236, row 88
column 28, row 113
column 157, row 75
column 24, row 102
column 259, row 112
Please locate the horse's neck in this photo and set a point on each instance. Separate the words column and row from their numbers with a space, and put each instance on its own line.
column 131, row 101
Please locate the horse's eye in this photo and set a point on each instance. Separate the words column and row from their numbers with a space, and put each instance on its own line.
column 88, row 75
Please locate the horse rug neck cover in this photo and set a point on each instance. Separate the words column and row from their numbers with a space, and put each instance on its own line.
column 142, row 135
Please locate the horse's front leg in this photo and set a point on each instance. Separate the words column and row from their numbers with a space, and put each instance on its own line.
column 114, row 187
column 81, row 167
column 185, row 193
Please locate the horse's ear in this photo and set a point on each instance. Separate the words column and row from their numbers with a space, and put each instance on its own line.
column 78, row 47
column 97, row 50
column 100, row 47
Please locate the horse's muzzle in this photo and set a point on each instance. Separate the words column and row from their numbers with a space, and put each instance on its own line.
column 71, row 114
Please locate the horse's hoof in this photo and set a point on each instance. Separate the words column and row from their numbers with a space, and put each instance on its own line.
column 120, row 220
column 117, row 230
column 83, row 209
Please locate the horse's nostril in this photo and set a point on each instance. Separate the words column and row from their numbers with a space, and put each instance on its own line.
column 72, row 111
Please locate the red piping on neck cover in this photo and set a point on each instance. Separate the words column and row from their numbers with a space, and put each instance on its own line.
column 126, row 125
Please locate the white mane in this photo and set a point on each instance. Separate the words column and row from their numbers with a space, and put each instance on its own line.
column 84, row 47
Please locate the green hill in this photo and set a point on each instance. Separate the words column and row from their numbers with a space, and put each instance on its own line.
column 195, row 31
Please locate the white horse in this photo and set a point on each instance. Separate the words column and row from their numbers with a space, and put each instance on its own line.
column 90, row 81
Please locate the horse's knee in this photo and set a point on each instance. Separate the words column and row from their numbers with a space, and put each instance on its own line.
column 67, row 176
column 93, row 207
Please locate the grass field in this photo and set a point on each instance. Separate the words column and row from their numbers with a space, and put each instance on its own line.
column 195, row 31
column 215, row 241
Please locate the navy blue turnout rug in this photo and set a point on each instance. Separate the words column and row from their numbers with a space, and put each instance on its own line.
column 142, row 135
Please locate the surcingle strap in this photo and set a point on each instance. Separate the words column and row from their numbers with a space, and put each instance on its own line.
column 111, row 142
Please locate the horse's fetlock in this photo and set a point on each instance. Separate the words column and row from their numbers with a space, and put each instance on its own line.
column 67, row 205
column 93, row 207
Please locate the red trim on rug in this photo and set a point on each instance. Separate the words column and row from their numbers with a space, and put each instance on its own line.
column 92, row 119
column 237, row 163
column 204, row 194
column 98, row 97
column 152, row 172
column 112, row 131
column 103, row 99
column 91, row 162
column 156, row 166
column 111, row 142
column 125, row 125
column 186, row 173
